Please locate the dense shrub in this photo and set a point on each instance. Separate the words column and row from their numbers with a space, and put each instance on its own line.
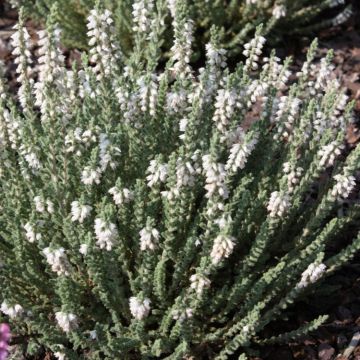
column 164, row 214
column 239, row 18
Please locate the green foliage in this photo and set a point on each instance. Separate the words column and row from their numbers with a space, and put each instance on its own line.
column 238, row 18
column 296, row 334
column 163, row 214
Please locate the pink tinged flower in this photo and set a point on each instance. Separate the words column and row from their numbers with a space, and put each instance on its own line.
column 4, row 340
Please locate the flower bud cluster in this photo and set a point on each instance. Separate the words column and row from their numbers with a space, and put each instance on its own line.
column 222, row 248
column 225, row 105
column 181, row 50
column 279, row 11
column 343, row 187
column 215, row 175
column 20, row 41
column 121, row 196
column 148, row 93
column 286, row 115
column 106, row 234
column 43, row 205
column 312, row 274
column 148, row 238
column 140, row 309
column 58, row 260
column 199, row 283
column 32, row 234
column 329, row 153
column 11, row 311
column 66, row 321
column 51, row 70
column 142, row 10
column 77, row 140
column 252, row 52
column 105, row 53
column 79, row 212
column 279, row 204
column 157, row 173
column 293, row 175
column 239, row 154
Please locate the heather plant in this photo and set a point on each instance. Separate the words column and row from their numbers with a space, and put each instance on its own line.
column 238, row 18
column 163, row 212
